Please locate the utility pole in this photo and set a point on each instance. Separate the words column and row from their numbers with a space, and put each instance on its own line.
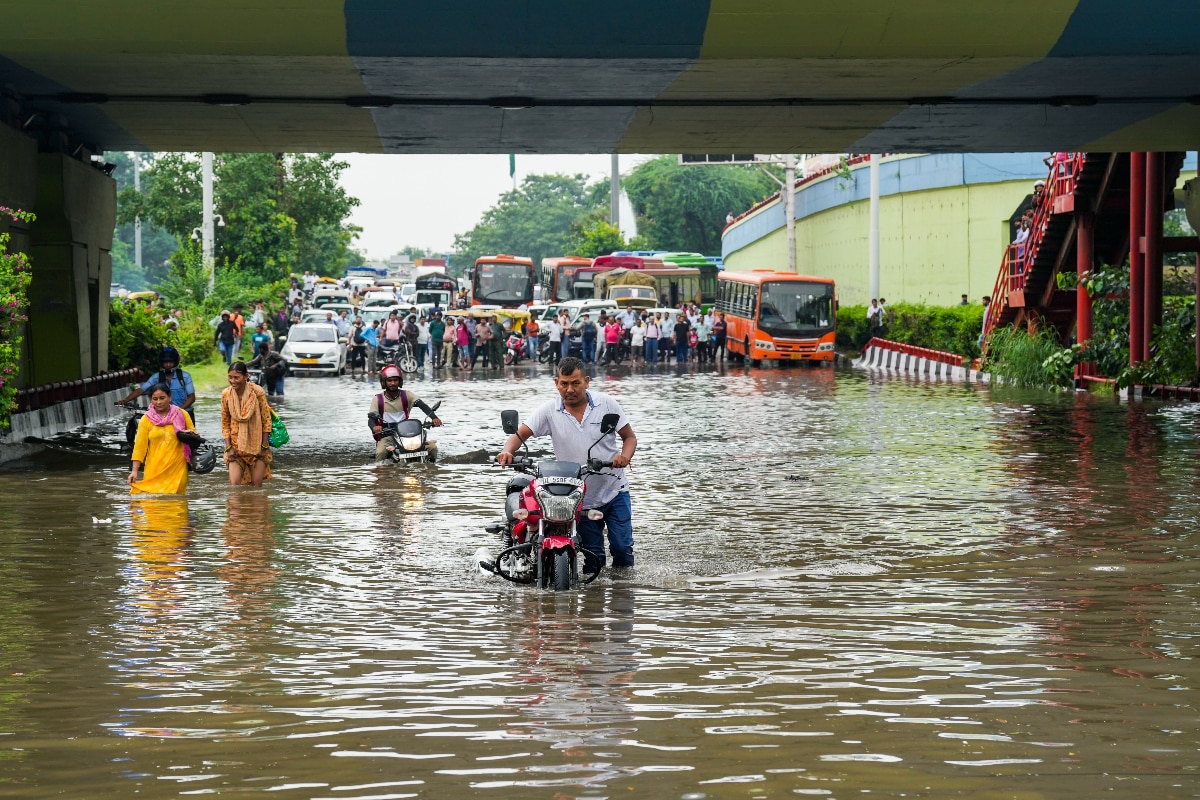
column 207, row 234
column 789, row 208
column 615, row 189
column 137, row 221
column 873, row 234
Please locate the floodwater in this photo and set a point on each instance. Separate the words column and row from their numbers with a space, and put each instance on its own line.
column 847, row 585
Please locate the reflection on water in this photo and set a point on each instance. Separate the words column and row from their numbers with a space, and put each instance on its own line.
column 847, row 584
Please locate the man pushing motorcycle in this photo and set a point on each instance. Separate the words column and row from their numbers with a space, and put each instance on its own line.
column 392, row 406
column 573, row 424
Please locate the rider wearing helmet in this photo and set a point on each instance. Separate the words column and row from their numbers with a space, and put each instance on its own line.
column 183, row 391
column 391, row 406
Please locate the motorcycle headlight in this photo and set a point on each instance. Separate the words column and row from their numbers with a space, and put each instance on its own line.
column 560, row 508
column 410, row 442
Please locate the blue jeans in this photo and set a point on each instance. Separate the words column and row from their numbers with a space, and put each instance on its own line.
column 274, row 386
column 681, row 349
column 589, row 351
column 651, row 351
column 618, row 515
column 566, row 345
column 226, row 352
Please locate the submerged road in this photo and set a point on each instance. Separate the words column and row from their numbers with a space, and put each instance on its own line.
column 846, row 584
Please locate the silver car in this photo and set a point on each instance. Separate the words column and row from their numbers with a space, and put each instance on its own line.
column 315, row 347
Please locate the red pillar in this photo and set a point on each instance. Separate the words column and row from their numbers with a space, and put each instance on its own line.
column 1137, row 217
column 1152, row 263
column 1084, row 240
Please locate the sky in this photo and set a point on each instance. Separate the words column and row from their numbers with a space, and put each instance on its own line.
column 424, row 200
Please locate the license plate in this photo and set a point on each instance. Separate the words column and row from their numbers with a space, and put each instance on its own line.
column 797, row 355
column 418, row 454
column 309, row 361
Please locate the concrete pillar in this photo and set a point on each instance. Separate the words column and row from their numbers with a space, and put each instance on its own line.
column 71, row 240
column 1137, row 218
column 1152, row 262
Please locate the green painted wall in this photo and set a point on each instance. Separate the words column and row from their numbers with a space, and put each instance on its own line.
column 933, row 244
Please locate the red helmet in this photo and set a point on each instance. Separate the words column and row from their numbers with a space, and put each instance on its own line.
column 390, row 371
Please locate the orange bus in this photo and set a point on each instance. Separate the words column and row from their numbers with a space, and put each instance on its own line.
column 778, row 315
column 502, row 280
column 558, row 276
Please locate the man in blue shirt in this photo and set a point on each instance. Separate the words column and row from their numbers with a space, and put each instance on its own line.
column 183, row 391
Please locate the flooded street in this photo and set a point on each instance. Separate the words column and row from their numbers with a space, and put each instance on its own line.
column 847, row 584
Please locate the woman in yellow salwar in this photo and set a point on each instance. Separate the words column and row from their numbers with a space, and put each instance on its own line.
column 162, row 458
column 246, row 427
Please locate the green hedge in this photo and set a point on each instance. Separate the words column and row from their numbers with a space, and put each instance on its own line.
column 136, row 335
column 953, row 329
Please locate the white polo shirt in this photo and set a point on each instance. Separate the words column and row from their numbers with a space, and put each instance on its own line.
column 572, row 439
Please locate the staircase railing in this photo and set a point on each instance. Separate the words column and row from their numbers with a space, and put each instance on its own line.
column 1020, row 257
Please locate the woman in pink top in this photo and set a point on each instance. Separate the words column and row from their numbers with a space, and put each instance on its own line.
column 464, row 344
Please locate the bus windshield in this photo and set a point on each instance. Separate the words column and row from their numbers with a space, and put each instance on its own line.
column 503, row 284
column 789, row 308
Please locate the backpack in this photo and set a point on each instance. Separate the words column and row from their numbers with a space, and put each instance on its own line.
column 358, row 337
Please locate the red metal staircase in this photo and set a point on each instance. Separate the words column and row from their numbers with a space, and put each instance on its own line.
column 1027, row 287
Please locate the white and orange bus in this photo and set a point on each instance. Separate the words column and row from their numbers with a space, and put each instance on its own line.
column 502, row 280
column 557, row 276
column 778, row 315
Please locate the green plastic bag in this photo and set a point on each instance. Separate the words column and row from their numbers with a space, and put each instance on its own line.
column 279, row 435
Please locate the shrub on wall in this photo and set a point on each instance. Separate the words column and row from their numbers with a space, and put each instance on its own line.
column 14, row 281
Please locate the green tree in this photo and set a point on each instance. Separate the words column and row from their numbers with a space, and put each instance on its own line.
column 157, row 244
column 595, row 236
column 282, row 213
column 533, row 221
column 683, row 208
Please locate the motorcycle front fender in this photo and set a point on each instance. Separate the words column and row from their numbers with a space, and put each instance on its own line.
column 552, row 543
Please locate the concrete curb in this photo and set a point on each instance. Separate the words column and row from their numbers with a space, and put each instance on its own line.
column 883, row 359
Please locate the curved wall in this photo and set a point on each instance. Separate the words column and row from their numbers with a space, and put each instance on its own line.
column 943, row 221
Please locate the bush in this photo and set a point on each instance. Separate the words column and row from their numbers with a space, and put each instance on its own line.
column 194, row 340
column 135, row 336
column 1023, row 358
column 14, row 280
column 953, row 329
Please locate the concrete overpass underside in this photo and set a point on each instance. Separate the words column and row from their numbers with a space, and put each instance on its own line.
column 468, row 76
column 626, row 75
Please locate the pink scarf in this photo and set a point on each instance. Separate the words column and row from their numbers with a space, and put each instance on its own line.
column 174, row 416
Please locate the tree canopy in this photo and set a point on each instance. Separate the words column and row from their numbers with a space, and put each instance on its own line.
column 534, row 221
column 283, row 213
column 683, row 208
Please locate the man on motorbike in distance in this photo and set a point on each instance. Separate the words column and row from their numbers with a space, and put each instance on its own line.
column 573, row 424
column 391, row 406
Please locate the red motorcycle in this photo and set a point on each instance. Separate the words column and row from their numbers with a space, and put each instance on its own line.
column 540, row 533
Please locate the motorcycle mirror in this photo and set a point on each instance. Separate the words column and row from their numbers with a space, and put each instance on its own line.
column 608, row 423
column 510, row 421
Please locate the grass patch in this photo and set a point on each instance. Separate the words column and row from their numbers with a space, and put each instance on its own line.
column 210, row 377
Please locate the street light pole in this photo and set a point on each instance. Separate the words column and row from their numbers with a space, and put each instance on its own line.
column 207, row 234
column 137, row 222
column 873, row 233
column 789, row 208
column 615, row 190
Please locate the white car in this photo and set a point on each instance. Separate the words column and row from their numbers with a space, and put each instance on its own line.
column 314, row 347
column 408, row 293
column 374, row 298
